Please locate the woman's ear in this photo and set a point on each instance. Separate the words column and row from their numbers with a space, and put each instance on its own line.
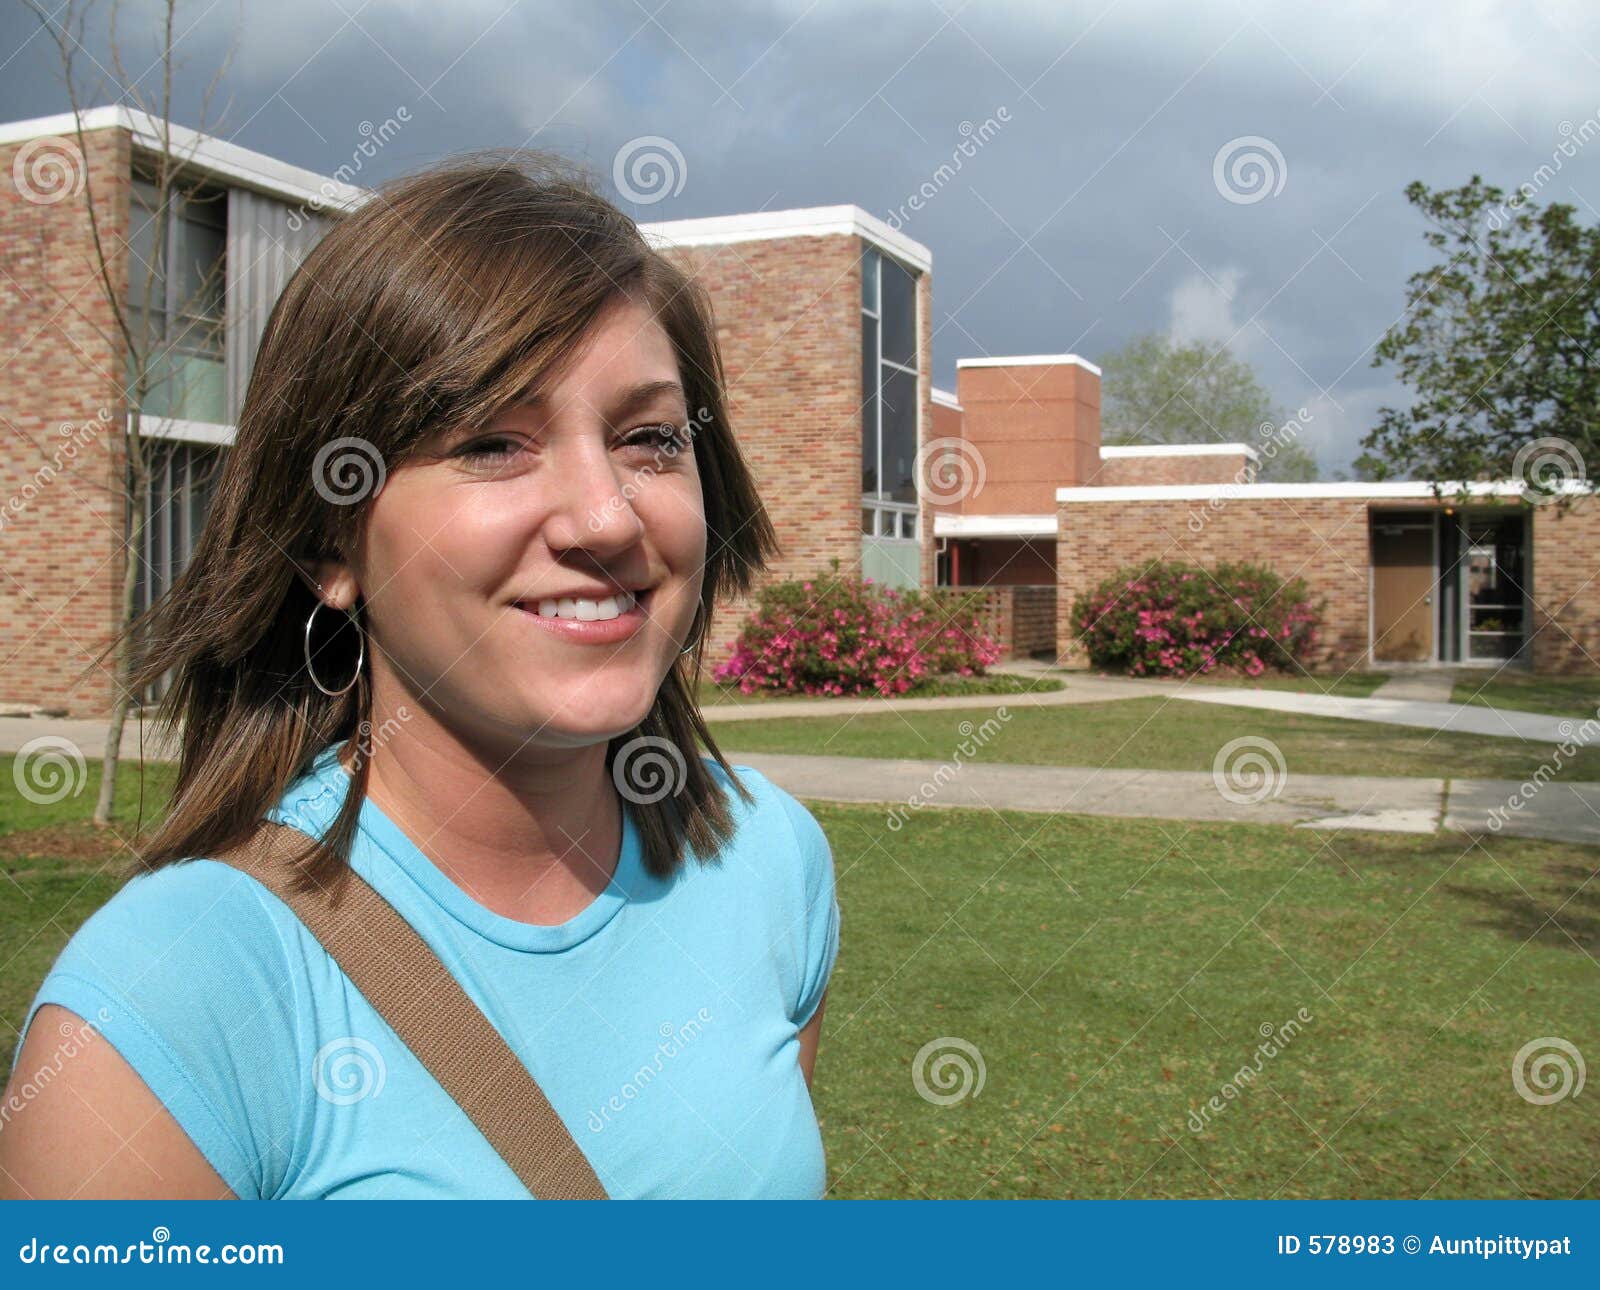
column 332, row 582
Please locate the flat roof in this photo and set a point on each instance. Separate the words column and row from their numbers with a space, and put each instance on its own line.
column 811, row 221
column 241, row 166
column 1179, row 450
column 994, row 526
column 946, row 398
column 1029, row 360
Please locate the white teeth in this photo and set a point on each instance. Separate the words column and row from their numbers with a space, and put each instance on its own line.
column 587, row 611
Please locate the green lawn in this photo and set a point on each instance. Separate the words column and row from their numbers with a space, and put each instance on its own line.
column 1558, row 696
column 1155, row 733
column 1112, row 975
column 709, row 693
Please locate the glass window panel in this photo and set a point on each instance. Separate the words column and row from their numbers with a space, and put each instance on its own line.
column 869, row 406
column 197, row 270
column 868, row 519
column 869, row 280
column 899, row 435
column 899, row 314
column 144, row 259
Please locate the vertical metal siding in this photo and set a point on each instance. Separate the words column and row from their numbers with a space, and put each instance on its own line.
column 267, row 240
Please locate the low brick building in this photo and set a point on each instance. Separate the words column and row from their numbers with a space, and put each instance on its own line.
column 825, row 321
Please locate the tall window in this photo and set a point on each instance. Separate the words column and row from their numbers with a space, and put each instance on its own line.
column 889, row 397
column 185, row 296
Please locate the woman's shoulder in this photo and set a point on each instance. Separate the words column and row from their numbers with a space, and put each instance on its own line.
column 186, row 973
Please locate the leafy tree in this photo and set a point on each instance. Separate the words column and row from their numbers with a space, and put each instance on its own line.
column 1154, row 391
column 1499, row 344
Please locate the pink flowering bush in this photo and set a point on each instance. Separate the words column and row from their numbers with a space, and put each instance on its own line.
column 840, row 634
column 1175, row 619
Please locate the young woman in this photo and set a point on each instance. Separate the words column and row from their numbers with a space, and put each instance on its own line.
column 444, row 619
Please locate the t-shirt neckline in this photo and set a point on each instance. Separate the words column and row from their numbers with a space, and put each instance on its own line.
column 512, row 933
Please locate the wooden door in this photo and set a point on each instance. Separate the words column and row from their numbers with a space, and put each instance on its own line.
column 1403, row 587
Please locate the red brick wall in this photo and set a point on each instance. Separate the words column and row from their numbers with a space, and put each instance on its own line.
column 1566, row 592
column 1218, row 468
column 1036, row 427
column 61, row 498
column 788, row 316
column 1004, row 562
column 1323, row 540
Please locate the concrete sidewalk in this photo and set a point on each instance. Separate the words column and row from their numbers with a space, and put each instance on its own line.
column 1560, row 812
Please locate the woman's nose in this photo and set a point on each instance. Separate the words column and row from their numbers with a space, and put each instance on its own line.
column 593, row 503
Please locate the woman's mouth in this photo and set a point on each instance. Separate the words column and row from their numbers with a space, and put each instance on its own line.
column 589, row 622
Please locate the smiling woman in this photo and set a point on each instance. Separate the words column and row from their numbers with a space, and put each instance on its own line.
column 486, row 437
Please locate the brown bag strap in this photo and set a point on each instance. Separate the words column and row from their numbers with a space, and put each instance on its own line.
column 414, row 992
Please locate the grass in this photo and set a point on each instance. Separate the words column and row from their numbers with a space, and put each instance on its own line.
column 709, row 693
column 1156, row 734
column 55, row 870
column 1557, row 696
column 1112, row 974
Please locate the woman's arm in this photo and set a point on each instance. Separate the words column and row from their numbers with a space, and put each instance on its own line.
column 810, row 1037
column 92, row 1130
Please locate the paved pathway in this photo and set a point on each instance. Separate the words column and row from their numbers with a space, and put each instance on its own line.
column 1429, row 685
column 1388, row 804
column 1561, row 811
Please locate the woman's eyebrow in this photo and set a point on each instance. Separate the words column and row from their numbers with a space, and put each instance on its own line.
column 626, row 400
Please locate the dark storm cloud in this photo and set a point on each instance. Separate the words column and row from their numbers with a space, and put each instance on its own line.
column 1085, row 206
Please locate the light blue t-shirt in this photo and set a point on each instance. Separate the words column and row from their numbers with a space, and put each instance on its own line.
column 661, row 1021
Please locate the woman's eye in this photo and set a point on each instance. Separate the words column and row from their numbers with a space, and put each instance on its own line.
column 487, row 451
column 666, row 436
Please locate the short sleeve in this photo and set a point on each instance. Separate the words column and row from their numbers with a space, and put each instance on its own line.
column 184, row 973
column 821, row 916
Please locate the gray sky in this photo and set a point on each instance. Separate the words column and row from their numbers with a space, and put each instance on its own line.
column 1093, row 209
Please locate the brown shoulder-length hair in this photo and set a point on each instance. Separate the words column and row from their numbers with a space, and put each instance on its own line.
column 443, row 298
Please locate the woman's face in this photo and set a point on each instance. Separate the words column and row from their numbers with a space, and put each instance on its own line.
column 556, row 505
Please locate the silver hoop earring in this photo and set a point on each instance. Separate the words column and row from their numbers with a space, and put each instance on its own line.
column 361, row 655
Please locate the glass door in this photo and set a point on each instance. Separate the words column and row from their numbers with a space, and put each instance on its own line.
column 1494, row 579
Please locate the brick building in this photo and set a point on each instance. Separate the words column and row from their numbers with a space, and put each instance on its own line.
column 824, row 317
column 825, row 321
